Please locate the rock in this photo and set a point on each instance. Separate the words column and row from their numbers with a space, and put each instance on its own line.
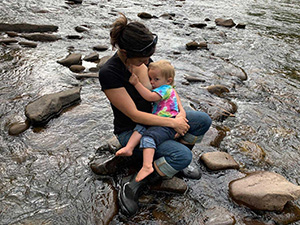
column 224, row 23
column 74, row 1
column 77, row 68
column 27, row 28
column 213, row 137
column 81, row 29
column 195, row 45
column 190, row 78
column 174, row 184
column 103, row 60
column 18, row 127
column 241, row 26
column 219, row 161
column 41, row 37
column 233, row 70
column 106, row 163
column 8, row 41
column 198, row 25
column 74, row 36
column 217, row 90
column 71, row 59
column 29, row 44
column 218, row 216
column 112, row 145
column 86, row 75
column 145, row 15
column 104, row 202
column 12, row 34
column 92, row 57
column 40, row 111
column 100, row 48
column 263, row 190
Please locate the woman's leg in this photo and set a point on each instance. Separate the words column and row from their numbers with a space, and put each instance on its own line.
column 199, row 124
column 171, row 157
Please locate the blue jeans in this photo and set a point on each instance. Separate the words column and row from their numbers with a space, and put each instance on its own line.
column 172, row 156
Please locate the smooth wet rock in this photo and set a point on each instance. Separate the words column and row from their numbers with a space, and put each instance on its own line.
column 74, row 37
column 12, row 34
column 40, row 111
column 106, row 163
column 103, row 60
column 71, row 59
column 198, row 25
column 77, row 68
column 224, row 22
column 264, row 190
column 81, row 29
column 92, row 57
column 42, row 37
column 18, row 127
column 190, row 78
column 174, row 184
column 218, row 216
column 145, row 15
column 28, row 44
column 27, row 28
column 217, row 89
column 8, row 41
column 86, row 75
column 193, row 45
column 219, row 161
column 100, row 48
column 241, row 26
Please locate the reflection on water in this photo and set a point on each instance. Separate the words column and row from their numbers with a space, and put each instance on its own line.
column 45, row 177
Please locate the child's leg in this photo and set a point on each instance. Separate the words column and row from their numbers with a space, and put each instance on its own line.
column 147, row 169
column 132, row 142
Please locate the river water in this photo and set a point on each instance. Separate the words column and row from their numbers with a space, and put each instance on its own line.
column 44, row 173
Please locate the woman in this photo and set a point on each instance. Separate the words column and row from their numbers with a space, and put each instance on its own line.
column 135, row 45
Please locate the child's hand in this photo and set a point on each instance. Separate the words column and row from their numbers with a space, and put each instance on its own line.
column 133, row 79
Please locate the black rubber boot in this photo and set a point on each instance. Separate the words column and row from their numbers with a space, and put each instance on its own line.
column 130, row 191
column 192, row 171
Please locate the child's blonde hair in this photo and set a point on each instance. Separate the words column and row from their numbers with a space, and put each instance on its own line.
column 166, row 68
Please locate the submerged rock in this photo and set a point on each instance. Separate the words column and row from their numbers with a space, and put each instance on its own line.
column 92, row 57
column 174, row 184
column 40, row 111
column 217, row 90
column 27, row 28
column 218, row 216
column 193, row 45
column 100, row 48
column 263, row 190
column 219, row 161
column 145, row 15
column 77, row 68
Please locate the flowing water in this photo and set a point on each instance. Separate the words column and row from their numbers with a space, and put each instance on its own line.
column 44, row 173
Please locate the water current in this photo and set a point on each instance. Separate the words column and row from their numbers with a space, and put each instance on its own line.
column 44, row 173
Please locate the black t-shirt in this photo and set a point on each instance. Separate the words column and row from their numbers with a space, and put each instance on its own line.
column 114, row 74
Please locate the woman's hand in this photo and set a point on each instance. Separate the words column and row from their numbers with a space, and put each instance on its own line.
column 181, row 125
column 134, row 80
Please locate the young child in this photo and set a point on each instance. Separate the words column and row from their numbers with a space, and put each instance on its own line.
column 166, row 103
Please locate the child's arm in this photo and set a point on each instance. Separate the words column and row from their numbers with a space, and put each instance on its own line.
column 144, row 92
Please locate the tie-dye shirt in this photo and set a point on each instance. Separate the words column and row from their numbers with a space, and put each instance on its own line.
column 167, row 106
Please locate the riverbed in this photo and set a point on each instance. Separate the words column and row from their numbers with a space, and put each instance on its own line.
column 44, row 172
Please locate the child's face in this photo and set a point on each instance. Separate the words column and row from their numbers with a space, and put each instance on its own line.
column 156, row 79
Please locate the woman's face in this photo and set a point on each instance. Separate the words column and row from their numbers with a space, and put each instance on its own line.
column 138, row 61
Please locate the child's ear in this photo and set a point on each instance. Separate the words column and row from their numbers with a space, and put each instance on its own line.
column 169, row 80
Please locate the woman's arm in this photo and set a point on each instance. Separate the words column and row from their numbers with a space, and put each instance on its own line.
column 181, row 109
column 122, row 101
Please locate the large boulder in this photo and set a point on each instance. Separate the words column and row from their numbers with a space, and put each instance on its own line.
column 263, row 190
column 27, row 28
column 43, row 109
